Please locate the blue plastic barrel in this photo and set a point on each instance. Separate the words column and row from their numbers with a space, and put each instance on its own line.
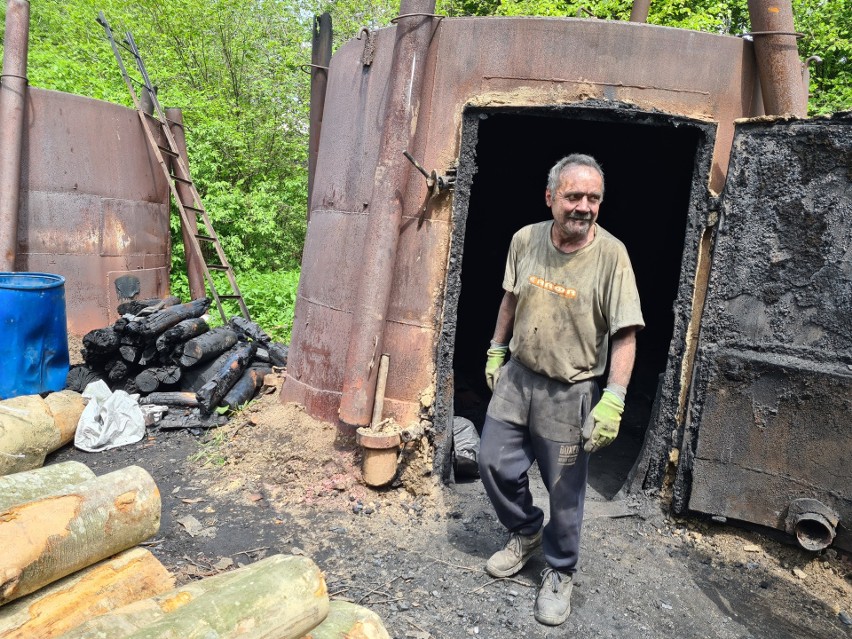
column 33, row 334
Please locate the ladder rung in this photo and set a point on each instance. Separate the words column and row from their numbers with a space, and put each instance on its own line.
column 206, row 238
column 218, row 267
column 180, row 179
column 230, row 297
column 167, row 151
column 192, row 208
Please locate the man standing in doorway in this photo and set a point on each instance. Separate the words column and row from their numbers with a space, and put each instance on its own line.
column 569, row 291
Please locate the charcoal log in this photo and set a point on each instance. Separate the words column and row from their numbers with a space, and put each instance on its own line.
column 246, row 386
column 278, row 353
column 134, row 307
column 130, row 353
column 195, row 377
column 181, row 332
column 191, row 419
column 101, row 341
column 207, row 346
column 117, row 370
column 149, row 356
column 151, row 379
column 79, row 377
column 215, row 390
column 173, row 398
column 249, row 329
column 150, row 327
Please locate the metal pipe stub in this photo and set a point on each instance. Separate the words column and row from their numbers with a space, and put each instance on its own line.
column 813, row 523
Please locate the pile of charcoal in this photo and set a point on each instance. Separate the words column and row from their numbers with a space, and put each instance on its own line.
column 166, row 352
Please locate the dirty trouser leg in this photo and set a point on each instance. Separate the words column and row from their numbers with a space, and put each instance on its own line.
column 505, row 456
column 566, row 485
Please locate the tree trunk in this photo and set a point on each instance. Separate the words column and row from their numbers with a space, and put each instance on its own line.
column 175, row 398
column 207, row 346
column 213, row 391
column 19, row 488
column 280, row 596
column 62, row 606
column 246, row 386
column 181, row 332
column 29, row 430
column 349, row 620
column 57, row 535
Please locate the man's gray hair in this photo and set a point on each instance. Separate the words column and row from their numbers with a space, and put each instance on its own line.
column 575, row 159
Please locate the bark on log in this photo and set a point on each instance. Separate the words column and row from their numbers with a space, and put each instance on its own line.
column 349, row 620
column 29, row 430
column 62, row 606
column 159, row 322
column 19, row 488
column 246, row 386
column 175, row 398
column 213, row 391
column 46, row 539
column 66, row 407
column 181, row 332
column 207, row 346
column 280, row 596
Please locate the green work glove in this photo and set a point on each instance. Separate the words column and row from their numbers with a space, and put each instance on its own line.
column 496, row 357
column 601, row 426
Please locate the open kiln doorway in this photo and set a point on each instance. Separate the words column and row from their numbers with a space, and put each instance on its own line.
column 649, row 161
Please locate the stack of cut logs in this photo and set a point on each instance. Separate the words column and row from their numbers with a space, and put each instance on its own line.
column 70, row 567
column 165, row 351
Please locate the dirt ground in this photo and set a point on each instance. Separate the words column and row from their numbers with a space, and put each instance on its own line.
column 273, row 480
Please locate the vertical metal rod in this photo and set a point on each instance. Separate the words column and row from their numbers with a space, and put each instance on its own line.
column 390, row 183
column 320, row 57
column 13, row 102
column 381, row 385
column 639, row 11
column 194, row 272
column 777, row 57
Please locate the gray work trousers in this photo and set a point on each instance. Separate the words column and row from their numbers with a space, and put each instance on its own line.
column 535, row 418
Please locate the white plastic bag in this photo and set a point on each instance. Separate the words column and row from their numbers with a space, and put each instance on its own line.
column 110, row 419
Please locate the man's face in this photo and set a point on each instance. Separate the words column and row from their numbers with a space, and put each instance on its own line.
column 576, row 202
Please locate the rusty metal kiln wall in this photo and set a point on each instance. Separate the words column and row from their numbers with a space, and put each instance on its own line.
column 483, row 63
column 94, row 204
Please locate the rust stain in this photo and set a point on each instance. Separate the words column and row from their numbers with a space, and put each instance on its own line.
column 177, row 601
column 31, row 529
column 125, row 501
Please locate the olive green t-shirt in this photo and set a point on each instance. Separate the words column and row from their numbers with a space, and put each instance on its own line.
column 569, row 303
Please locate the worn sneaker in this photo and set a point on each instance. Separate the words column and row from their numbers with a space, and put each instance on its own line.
column 553, row 602
column 516, row 553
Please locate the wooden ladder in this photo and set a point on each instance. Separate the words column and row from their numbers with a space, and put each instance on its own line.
column 194, row 210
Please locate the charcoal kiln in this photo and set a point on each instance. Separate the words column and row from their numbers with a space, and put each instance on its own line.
column 410, row 267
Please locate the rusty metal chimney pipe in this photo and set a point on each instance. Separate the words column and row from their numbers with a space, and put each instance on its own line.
column 13, row 100
column 320, row 59
column 414, row 29
column 777, row 57
column 639, row 12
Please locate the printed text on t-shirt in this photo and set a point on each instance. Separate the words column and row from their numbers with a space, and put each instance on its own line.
column 568, row 293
